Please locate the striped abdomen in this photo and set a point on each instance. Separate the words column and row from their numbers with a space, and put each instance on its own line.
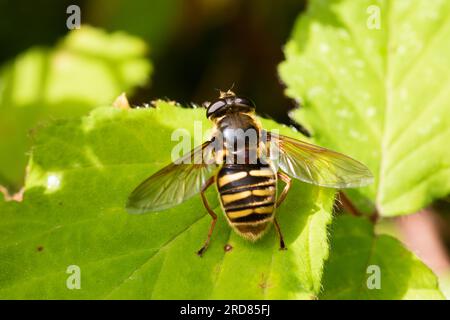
column 248, row 195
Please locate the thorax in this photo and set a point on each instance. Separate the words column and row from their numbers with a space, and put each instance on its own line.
column 238, row 135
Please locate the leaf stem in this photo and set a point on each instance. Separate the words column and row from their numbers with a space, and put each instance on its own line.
column 375, row 216
column 348, row 205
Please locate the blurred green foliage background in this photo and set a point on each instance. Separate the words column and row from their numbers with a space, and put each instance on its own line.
column 197, row 46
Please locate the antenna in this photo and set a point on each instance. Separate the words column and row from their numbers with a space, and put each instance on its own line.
column 227, row 93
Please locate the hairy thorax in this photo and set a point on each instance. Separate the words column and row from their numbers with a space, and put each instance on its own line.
column 238, row 135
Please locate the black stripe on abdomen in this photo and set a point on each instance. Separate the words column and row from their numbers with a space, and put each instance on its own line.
column 234, row 177
column 253, row 217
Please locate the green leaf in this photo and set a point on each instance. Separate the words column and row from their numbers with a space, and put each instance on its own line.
column 86, row 69
column 81, row 174
column 357, row 255
column 444, row 284
column 379, row 95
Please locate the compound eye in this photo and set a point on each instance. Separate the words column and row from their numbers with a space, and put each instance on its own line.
column 215, row 107
column 244, row 102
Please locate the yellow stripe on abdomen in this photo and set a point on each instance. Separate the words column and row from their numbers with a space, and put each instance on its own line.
column 228, row 178
column 264, row 192
column 227, row 198
column 239, row 214
column 263, row 210
column 261, row 173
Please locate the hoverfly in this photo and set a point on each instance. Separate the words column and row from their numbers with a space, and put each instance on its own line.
column 247, row 188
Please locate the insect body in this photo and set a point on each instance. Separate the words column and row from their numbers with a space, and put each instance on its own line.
column 239, row 160
column 246, row 183
column 248, row 194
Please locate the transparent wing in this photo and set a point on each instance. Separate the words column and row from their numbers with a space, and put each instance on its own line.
column 174, row 183
column 317, row 165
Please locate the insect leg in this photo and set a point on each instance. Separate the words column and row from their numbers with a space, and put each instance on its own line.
column 207, row 184
column 280, row 235
column 286, row 179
